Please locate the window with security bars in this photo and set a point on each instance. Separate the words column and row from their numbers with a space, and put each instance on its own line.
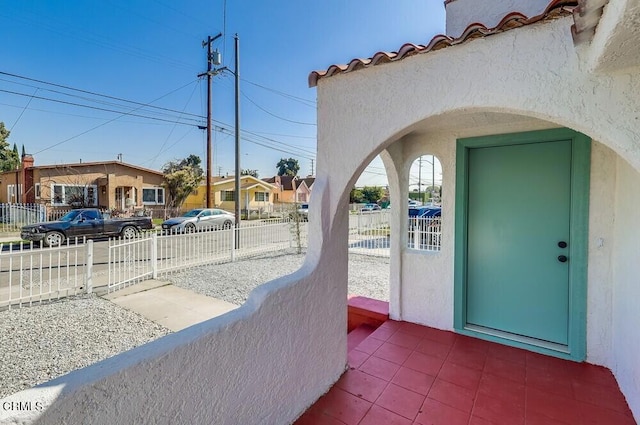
column 228, row 195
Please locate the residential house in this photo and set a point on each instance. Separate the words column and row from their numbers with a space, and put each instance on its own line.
column 522, row 100
column 108, row 184
column 291, row 189
column 255, row 194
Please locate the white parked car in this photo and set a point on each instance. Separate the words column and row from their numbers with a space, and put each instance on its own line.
column 199, row 219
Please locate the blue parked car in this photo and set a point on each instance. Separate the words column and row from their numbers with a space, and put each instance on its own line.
column 423, row 212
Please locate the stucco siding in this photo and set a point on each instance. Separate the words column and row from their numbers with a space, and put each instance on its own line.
column 601, row 221
column 626, row 285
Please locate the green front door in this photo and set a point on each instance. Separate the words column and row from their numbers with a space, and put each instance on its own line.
column 518, row 212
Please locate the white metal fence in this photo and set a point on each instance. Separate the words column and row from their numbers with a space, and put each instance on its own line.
column 152, row 255
column 369, row 233
column 14, row 216
column 31, row 275
column 425, row 233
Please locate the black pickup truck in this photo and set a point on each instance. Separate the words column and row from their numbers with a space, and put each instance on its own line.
column 85, row 222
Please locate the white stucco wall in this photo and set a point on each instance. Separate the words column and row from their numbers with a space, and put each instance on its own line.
column 462, row 13
column 626, row 285
column 600, row 285
column 534, row 72
column 263, row 363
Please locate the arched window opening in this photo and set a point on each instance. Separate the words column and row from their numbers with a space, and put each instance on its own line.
column 425, row 206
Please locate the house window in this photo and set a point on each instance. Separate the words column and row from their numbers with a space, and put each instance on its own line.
column 153, row 195
column 227, row 195
column 37, row 190
column 74, row 195
column 262, row 196
column 13, row 194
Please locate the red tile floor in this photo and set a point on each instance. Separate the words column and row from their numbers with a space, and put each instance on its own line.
column 404, row 373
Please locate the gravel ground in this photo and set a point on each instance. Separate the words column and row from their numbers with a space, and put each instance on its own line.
column 43, row 342
column 232, row 282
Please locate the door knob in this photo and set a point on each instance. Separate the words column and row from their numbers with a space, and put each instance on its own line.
column 562, row 244
column 562, row 258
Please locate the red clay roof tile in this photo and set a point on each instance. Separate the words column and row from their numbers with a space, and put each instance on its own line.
column 513, row 20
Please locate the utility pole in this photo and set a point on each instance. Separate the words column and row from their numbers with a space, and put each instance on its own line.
column 433, row 177
column 211, row 60
column 312, row 168
column 237, row 113
column 420, row 179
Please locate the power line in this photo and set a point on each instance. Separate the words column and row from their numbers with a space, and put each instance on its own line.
column 310, row 103
column 23, row 109
column 95, row 107
column 100, row 94
column 100, row 125
column 274, row 115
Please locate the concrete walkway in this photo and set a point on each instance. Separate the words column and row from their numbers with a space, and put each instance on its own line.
column 168, row 305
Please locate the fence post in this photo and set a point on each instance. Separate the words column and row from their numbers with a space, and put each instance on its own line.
column 234, row 236
column 154, row 255
column 89, row 256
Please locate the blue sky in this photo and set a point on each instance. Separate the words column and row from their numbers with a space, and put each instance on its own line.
column 150, row 52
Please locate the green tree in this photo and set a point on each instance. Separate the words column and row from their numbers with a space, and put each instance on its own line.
column 372, row 194
column 252, row 173
column 288, row 167
column 356, row 196
column 181, row 178
column 9, row 159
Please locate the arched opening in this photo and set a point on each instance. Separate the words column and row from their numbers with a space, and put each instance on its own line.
column 425, row 204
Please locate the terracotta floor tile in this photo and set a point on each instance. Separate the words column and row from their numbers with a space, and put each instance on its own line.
column 405, row 340
column 391, row 324
column 341, row 405
column 401, row 401
column 359, row 334
column 450, row 379
column 317, row 417
column 502, row 389
column 460, row 375
column 600, row 395
column 379, row 368
column 504, row 352
column 535, row 418
column 468, row 358
column 379, row 416
column 596, row 415
column 476, row 420
column 369, row 345
column 452, row 395
column 588, row 373
column 393, row 353
column 355, row 358
column 362, row 385
column 548, row 382
column 413, row 380
column 468, row 343
column 433, row 348
column 435, row 413
column 443, row 337
column 383, row 334
column 413, row 329
column 498, row 410
column 505, row 369
column 558, row 367
column 558, row 408
column 424, row 363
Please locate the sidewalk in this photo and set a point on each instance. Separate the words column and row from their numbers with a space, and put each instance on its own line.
column 9, row 237
column 168, row 305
